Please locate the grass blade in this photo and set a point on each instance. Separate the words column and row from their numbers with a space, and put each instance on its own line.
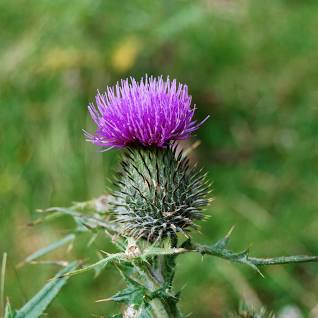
column 45, row 250
column 8, row 312
column 2, row 278
column 35, row 307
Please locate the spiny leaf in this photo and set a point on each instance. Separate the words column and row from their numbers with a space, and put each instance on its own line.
column 102, row 263
column 35, row 307
column 219, row 250
column 126, row 271
column 90, row 221
column 283, row 260
column 123, row 257
column 130, row 295
column 222, row 243
column 244, row 258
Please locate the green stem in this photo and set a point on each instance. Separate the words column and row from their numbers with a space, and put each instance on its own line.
column 163, row 270
column 159, row 309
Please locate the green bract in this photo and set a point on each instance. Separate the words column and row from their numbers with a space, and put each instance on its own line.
column 158, row 193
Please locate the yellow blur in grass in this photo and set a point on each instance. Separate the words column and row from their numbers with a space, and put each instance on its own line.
column 125, row 54
column 62, row 58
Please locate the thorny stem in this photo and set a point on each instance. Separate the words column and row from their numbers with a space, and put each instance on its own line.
column 163, row 270
column 238, row 257
column 153, row 275
column 159, row 275
column 159, row 307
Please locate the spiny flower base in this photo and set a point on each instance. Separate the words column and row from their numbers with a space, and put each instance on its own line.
column 158, row 193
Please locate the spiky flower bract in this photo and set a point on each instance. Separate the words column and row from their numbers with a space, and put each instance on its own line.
column 151, row 112
column 158, row 193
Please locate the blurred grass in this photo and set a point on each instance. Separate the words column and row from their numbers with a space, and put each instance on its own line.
column 252, row 65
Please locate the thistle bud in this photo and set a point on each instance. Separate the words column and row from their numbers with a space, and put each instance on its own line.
column 158, row 193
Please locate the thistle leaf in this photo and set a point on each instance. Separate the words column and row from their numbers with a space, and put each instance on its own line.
column 130, row 295
column 244, row 258
column 124, row 296
column 222, row 243
column 98, row 265
column 87, row 220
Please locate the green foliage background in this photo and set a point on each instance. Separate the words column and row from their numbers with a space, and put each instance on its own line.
column 251, row 65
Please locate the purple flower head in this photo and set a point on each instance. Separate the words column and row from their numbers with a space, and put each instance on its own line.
column 151, row 112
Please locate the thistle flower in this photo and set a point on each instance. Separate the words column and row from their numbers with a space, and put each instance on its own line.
column 158, row 193
column 151, row 112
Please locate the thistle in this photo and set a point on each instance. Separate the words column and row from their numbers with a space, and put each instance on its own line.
column 158, row 195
